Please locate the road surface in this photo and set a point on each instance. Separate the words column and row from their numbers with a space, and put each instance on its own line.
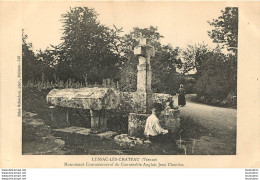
column 220, row 123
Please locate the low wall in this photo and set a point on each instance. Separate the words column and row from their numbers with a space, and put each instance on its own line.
column 130, row 101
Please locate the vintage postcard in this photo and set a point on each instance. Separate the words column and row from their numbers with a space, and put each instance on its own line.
column 118, row 84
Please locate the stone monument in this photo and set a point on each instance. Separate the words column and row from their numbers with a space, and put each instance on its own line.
column 143, row 96
column 94, row 100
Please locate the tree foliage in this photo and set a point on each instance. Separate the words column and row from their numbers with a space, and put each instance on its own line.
column 216, row 72
column 226, row 28
column 194, row 58
column 164, row 69
column 218, row 79
column 88, row 46
column 30, row 66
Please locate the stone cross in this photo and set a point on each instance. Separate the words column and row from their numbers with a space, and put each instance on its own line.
column 144, row 51
column 143, row 96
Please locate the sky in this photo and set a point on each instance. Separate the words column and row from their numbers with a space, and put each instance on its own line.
column 179, row 23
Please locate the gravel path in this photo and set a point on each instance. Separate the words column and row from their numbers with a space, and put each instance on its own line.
column 221, row 123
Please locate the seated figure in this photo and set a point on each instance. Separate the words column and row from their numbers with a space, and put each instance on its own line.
column 153, row 129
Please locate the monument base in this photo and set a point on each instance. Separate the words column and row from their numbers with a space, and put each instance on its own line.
column 142, row 102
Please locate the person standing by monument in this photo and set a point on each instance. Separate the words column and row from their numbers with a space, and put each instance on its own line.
column 181, row 96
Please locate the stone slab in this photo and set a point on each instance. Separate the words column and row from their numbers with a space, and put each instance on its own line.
column 124, row 140
column 72, row 129
column 84, row 133
column 105, row 135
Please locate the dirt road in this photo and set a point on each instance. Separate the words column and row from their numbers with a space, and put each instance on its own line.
column 221, row 125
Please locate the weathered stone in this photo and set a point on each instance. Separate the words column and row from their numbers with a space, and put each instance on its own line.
column 144, row 50
column 136, row 124
column 59, row 116
column 98, row 121
column 106, row 135
column 142, row 102
column 96, row 100
column 37, row 137
column 144, row 73
column 139, row 50
column 144, row 76
column 161, row 98
column 83, row 132
column 68, row 130
column 125, row 141
column 143, row 98
column 60, row 143
column 84, row 98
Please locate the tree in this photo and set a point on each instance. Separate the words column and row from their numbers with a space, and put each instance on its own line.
column 226, row 28
column 89, row 47
column 164, row 69
column 212, row 82
column 194, row 57
column 29, row 64
column 217, row 80
column 49, row 60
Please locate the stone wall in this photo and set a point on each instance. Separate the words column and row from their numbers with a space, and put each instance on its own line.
column 126, row 101
column 131, row 102
column 161, row 98
column 136, row 124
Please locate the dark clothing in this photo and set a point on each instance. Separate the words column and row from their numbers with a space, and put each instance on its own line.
column 162, row 138
column 181, row 97
column 165, row 142
column 181, row 100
